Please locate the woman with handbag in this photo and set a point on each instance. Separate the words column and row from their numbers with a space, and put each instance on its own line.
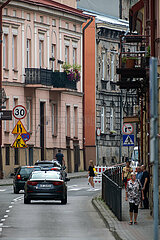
column 126, row 172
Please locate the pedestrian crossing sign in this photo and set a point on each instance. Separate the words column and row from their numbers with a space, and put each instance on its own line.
column 19, row 128
column 19, row 143
column 128, row 140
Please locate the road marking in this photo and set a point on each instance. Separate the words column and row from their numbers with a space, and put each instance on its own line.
column 10, row 206
column 7, row 211
column 2, row 190
column 0, row 229
column 1, row 224
column 5, row 216
column 2, row 220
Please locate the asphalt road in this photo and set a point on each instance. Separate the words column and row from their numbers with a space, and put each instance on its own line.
column 46, row 220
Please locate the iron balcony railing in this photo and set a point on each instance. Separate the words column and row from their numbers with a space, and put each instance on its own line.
column 48, row 78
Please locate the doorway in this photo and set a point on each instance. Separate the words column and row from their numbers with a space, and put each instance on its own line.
column 42, row 129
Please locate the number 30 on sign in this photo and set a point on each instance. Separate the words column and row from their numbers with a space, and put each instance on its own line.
column 19, row 112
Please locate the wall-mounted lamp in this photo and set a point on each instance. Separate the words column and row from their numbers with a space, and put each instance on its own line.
column 60, row 61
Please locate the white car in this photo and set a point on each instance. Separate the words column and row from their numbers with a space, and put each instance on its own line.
column 134, row 159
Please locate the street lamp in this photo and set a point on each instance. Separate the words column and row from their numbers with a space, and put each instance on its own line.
column 1, row 33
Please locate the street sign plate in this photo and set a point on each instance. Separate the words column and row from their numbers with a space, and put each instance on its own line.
column 19, row 143
column 25, row 136
column 127, row 128
column 19, row 112
column 98, row 131
column 128, row 140
column 6, row 115
column 19, row 128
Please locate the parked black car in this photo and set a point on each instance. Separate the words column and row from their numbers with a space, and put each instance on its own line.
column 21, row 175
column 45, row 185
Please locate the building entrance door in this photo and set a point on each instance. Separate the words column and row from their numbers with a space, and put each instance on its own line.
column 42, row 129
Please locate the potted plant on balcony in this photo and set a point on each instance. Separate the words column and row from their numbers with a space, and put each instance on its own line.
column 73, row 72
column 129, row 62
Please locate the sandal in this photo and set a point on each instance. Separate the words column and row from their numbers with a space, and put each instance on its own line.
column 130, row 223
column 135, row 223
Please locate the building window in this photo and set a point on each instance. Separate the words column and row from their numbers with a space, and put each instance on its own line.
column 74, row 27
column 66, row 54
column 5, row 11
column 53, row 56
column 28, row 16
column 53, row 22
column 16, row 156
column 28, row 53
column 112, row 119
column 7, row 148
column 102, row 119
column 14, row 13
column 41, row 53
column 68, row 123
column 112, row 67
column 67, row 25
column 29, row 115
column 74, row 56
column 41, row 19
column 14, row 52
column 15, row 103
column 5, row 51
column 103, row 66
column 6, row 122
column 76, row 122
column 54, row 119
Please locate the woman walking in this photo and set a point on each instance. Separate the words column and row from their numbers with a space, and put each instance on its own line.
column 133, row 194
column 91, row 173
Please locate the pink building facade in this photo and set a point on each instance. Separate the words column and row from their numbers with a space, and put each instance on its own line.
column 37, row 40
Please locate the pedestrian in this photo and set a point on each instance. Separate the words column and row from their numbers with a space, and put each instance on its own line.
column 139, row 173
column 133, row 194
column 126, row 172
column 145, row 180
column 139, row 176
column 91, row 174
column 60, row 158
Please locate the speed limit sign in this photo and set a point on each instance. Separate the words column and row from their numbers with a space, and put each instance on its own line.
column 19, row 112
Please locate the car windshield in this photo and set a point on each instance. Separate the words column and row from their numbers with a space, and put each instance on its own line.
column 45, row 175
column 45, row 164
column 28, row 170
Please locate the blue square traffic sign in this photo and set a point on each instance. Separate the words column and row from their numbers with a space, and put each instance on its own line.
column 128, row 140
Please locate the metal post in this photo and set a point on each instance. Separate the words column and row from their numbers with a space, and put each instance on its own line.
column 120, row 144
column 154, row 140
column 1, row 162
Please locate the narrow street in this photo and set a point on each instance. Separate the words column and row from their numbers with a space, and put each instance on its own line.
column 51, row 220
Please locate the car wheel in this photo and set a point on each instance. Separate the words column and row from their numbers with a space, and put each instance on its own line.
column 64, row 201
column 16, row 191
column 27, row 200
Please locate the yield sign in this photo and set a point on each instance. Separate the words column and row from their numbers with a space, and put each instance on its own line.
column 127, row 128
column 19, row 128
column 19, row 143
column 128, row 140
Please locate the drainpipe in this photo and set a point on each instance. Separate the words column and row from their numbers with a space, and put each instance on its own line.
column 1, row 43
column 85, row 27
column 152, row 29
column 142, row 162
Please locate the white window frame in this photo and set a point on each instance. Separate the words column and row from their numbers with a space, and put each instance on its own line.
column 103, row 66
column 102, row 119
column 112, row 119
column 29, row 114
column 28, row 53
column 112, row 67
column 74, row 129
column 66, row 54
column 74, row 55
column 4, row 50
column 41, row 57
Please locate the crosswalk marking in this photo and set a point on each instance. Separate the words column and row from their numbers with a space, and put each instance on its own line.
column 2, row 190
column 76, row 188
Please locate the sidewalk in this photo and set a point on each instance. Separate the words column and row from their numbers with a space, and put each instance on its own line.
column 121, row 229
column 9, row 181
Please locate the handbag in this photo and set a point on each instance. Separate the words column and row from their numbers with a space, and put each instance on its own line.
column 95, row 173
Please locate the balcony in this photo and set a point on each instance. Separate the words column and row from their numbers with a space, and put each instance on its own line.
column 134, row 62
column 34, row 76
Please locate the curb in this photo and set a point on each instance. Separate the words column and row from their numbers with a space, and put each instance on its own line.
column 107, row 216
